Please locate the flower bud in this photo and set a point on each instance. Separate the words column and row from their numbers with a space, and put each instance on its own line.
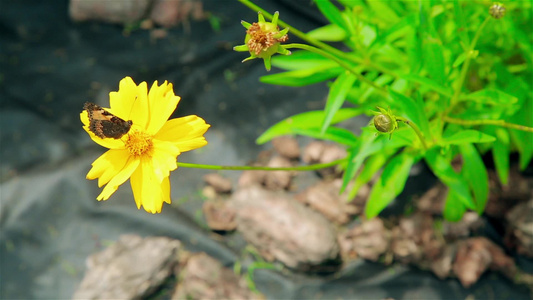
column 497, row 10
column 383, row 123
column 263, row 39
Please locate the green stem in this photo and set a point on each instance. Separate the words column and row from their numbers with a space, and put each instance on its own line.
column 466, row 65
column 416, row 129
column 501, row 123
column 340, row 62
column 258, row 168
column 318, row 43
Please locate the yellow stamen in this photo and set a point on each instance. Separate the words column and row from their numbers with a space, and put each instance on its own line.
column 139, row 144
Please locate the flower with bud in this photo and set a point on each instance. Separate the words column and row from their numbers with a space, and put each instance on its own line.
column 263, row 39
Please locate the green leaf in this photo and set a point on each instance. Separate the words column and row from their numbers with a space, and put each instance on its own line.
column 302, row 59
column 429, row 83
column 500, row 153
column 454, row 209
column 328, row 33
column 334, row 134
column 444, row 171
column 390, row 184
column 303, row 121
column 331, row 13
column 356, row 155
column 302, row 77
column 372, row 165
column 413, row 110
column 522, row 139
column 396, row 31
column 467, row 136
column 434, row 59
column 460, row 20
column 368, row 144
column 383, row 11
column 459, row 60
column 352, row 3
column 414, row 50
column 491, row 97
column 336, row 96
column 475, row 173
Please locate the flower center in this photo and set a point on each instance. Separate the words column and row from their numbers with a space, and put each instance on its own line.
column 262, row 38
column 139, row 143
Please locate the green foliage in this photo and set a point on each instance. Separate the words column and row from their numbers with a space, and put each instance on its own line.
column 457, row 81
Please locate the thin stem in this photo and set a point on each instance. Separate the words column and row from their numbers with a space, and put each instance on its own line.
column 340, row 62
column 416, row 129
column 318, row 43
column 501, row 123
column 466, row 65
column 258, row 168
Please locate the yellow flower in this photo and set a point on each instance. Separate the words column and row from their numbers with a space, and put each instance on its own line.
column 148, row 151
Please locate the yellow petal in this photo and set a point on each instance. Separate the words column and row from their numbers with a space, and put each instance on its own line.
column 108, row 165
column 191, row 144
column 147, row 190
column 162, row 103
column 186, row 132
column 130, row 102
column 119, row 179
column 165, row 189
column 164, row 158
column 108, row 143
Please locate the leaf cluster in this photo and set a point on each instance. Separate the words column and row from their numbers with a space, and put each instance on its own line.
column 446, row 66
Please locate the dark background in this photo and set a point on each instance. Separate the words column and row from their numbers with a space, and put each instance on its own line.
column 50, row 219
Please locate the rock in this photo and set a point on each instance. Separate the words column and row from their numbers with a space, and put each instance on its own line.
column 249, row 178
column 369, row 240
column 281, row 228
column 219, row 215
column 318, row 152
column 475, row 256
column 442, row 266
column 219, row 183
column 324, row 197
column 414, row 240
column 287, row 147
column 169, row 13
column 123, row 12
column 202, row 277
column 131, row 268
column 276, row 180
column 504, row 197
column 520, row 232
column 432, row 201
column 463, row 228
column 313, row 152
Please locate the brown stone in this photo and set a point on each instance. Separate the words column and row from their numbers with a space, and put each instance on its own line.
column 123, row 12
column 202, row 277
column 131, row 268
column 287, row 147
column 219, row 215
column 369, row 240
column 281, row 228
column 276, row 180
column 324, row 197
column 219, row 183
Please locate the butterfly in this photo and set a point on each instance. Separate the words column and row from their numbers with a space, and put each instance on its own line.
column 104, row 124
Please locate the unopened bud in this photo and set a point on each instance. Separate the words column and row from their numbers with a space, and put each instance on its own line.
column 497, row 10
